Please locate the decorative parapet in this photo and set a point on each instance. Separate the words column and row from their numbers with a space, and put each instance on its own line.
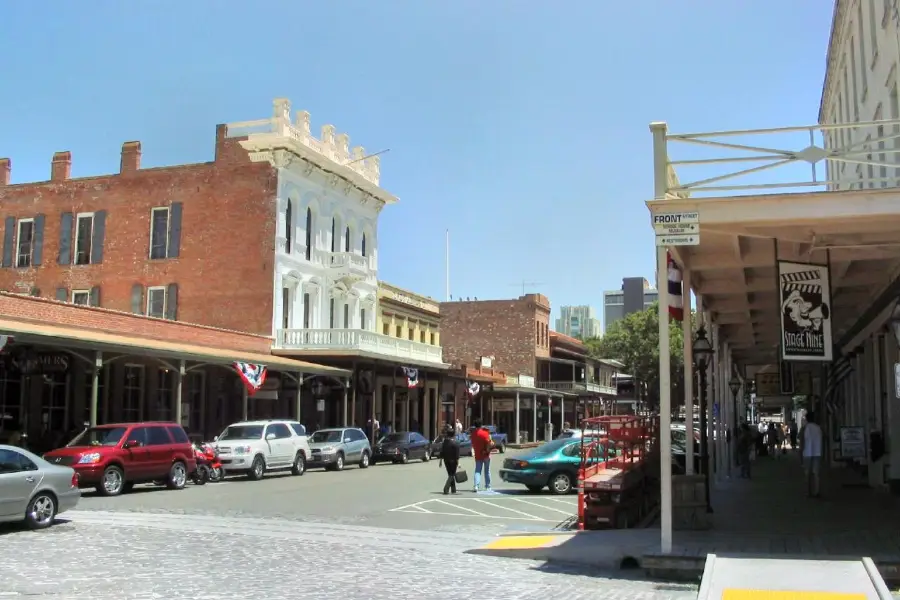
column 332, row 146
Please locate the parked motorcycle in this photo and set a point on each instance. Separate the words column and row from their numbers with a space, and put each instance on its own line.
column 202, row 474
column 216, row 471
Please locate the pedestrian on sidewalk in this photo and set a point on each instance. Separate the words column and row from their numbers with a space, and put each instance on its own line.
column 482, row 444
column 793, row 434
column 772, row 439
column 811, row 451
column 459, row 427
column 449, row 459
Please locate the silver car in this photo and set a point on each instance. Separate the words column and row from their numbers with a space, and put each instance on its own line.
column 334, row 448
column 33, row 490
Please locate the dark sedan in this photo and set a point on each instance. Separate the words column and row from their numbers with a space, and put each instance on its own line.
column 464, row 441
column 401, row 447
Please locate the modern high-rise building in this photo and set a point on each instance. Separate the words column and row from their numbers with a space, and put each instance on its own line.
column 579, row 322
column 636, row 295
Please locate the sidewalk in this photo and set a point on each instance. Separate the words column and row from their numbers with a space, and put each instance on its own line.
column 769, row 515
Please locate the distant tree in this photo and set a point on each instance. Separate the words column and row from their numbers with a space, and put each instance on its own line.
column 634, row 341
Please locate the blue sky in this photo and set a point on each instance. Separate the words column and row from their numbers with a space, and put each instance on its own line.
column 522, row 127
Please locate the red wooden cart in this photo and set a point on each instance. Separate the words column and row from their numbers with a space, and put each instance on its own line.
column 617, row 484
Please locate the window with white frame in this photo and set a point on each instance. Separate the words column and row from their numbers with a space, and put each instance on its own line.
column 84, row 235
column 362, row 318
column 307, row 311
column 156, row 302
column 159, row 232
column 82, row 297
column 132, row 393
column 24, row 243
column 346, row 315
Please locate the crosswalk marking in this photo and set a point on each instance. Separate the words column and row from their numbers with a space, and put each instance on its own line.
column 519, row 512
column 551, row 509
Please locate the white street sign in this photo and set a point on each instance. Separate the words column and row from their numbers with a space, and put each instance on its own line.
column 682, row 218
column 676, row 228
column 678, row 240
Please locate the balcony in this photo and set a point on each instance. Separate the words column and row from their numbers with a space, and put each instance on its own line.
column 577, row 387
column 357, row 342
column 347, row 265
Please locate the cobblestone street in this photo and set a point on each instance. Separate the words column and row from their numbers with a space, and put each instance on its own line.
column 104, row 555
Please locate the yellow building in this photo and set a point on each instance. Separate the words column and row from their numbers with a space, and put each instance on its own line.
column 408, row 316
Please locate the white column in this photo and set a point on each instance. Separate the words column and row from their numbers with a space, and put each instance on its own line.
column 688, row 370
column 516, row 419
column 299, row 397
column 95, row 388
column 660, row 188
column 179, row 387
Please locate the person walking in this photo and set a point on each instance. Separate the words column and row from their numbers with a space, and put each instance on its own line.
column 811, row 453
column 459, row 427
column 449, row 459
column 771, row 439
column 793, row 434
column 482, row 444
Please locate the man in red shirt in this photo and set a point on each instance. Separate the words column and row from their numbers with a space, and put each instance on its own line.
column 481, row 448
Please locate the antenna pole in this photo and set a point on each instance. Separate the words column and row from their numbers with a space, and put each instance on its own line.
column 447, row 265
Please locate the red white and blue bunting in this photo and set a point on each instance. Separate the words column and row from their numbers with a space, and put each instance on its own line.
column 412, row 376
column 253, row 376
column 472, row 388
column 676, row 301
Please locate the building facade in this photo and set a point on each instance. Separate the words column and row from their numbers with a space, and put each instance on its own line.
column 579, row 321
column 277, row 236
column 635, row 295
column 861, row 87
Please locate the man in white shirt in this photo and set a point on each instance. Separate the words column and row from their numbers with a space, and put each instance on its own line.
column 458, row 427
column 811, row 451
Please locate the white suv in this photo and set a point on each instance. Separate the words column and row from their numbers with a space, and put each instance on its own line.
column 254, row 447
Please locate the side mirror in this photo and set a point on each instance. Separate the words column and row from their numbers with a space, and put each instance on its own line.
column 215, row 438
column 270, row 436
column 347, row 440
column 132, row 444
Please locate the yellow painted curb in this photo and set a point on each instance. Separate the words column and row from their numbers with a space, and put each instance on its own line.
column 773, row 595
column 521, row 542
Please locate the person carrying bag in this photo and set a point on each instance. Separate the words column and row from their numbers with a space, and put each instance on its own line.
column 450, row 461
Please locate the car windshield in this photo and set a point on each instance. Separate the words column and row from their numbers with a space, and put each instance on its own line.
column 242, row 432
column 568, row 433
column 322, row 437
column 99, row 436
column 395, row 438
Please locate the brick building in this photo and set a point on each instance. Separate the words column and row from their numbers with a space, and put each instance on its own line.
column 515, row 332
column 169, row 242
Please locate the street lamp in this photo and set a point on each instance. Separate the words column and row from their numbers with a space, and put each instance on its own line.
column 702, row 353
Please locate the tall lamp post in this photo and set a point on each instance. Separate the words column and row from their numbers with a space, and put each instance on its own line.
column 702, row 352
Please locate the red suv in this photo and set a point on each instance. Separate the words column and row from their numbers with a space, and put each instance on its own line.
column 112, row 458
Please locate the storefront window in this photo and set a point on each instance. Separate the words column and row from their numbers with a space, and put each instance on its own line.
column 10, row 401
column 195, row 396
column 54, row 405
column 132, row 393
column 162, row 408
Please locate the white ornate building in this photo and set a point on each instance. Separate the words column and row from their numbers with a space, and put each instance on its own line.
column 326, row 260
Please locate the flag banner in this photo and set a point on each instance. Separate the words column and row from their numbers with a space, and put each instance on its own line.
column 5, row 341
column 412, row 376
column 805, row 297
column 253, row 376
column 676, row 301
column 472, row 388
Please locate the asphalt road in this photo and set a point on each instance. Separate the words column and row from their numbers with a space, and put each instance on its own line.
column 101, row 555
column 386, row 495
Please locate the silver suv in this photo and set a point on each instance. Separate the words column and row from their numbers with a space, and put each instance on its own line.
column 334, row 448
column 254, row 447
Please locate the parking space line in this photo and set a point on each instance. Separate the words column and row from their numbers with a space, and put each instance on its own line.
column 519, row 512
column 413, row 505
column 561, row 501
column 476, row 516
column 474, row 512
column 545, row 507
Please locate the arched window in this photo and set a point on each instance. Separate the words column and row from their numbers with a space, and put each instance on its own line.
column 289, row 226
column 334, row 246
column 309, row 226
column 363, row 247
column 347, row 239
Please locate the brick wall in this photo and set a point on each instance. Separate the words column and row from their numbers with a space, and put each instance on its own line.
column 223, row 264
column 508, row 330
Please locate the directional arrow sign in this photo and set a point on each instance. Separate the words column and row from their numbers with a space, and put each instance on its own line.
column 678, row 240
column 676, row 228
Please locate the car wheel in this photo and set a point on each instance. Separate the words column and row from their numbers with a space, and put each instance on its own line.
column 560, row 484
column 299, row 467
column 112, row 483
column 534, row 488
column 257, row 469
column 427, row 456
column 404, row 457
column 41, row 511
column 364, row 461
column 177, row 476
column 339, row 462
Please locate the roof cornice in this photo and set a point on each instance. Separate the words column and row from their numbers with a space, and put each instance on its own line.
column 835, row 40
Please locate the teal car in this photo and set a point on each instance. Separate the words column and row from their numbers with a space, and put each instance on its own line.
column 554, row 465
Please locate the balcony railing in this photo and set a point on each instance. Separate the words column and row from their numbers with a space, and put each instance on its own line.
column 357, row 340
column 349, row 262
column 577, row 386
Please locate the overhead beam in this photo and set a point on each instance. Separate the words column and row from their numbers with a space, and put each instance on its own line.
column 715, row 259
